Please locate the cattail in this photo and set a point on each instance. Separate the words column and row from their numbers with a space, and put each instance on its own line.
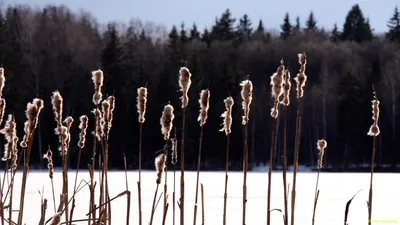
column 105, row 108
column 301, row 76
column 32, row 114
column 287, row 85
column 9, row 132
column 184, row 84
column 111, row 102
column 2, row 109
column 68, row 122
column 174, row 151
column 14, row 157
column 82, row 126
column 277, row 80
column 99, row 124
column 166, row 121
column 247, row 89
column 160, row 166
column 50, row 166
column 97, row 77
column 24, row 142
column 39, row 106
column 56, row 219
column 227, row 115
column 62, row 132
column 374, row 129
column 2, row 81
column 141, row 103
column 204, row 102
column 57, row 102
column 321, row 145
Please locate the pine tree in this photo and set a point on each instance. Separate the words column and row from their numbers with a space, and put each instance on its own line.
column 335, row 35
column 259, row 33
column 297, row 27
column 173, row 38
column 356, row 27
column 206, row 37
column 394, row 27
column 183, row 37
column 194, row 34
column 223, row 28
column 286, row 27
column 244, row 29
column 311, row 23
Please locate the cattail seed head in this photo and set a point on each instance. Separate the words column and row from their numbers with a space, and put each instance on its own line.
column 57, row 102
column 39, row 106
column 174, row 151
column 99, row 124
column 24, row 142
column 286, row 91
column 184, row 84
column 227, row 115
column 160, row 166
column 2, row 81
column 2, row 109
column 141, row 103
column 166, row 121
column 32, row 114
column 97, row 77
column 68, row 123
column 374, row 129
column 62, row 133
column 204, row 106
column 321, row 145
column 82, row 126
column 277, row 81
column 50, row 166
column 105, row 107
column 111, row 102
column 247, row 93
column 10, row 133
column 301, row 76
column 14, row 158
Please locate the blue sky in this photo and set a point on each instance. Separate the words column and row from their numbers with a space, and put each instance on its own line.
column 204, row 12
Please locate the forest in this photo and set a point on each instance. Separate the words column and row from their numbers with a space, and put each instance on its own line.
column 54, row 48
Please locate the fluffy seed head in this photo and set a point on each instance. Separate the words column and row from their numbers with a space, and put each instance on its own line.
column 277, row 90
column 301, row 76
column 68, row 123
column 50, row 166
column 174, row 151
column 111, row 102
column 10, row 133
column 82, row 126
column 14, row 158
column 227, row 115
column 24, row 142
column 166, row 121
column 204, row 106
column 160, row 166
column 2, row 109
column 286, row 92
column 374, row 129
column 247, row 93
column 184, row 84
column 141, row 103
column 97, row 77
column 99, row 124
column 57, row 102
column 2, row 81
column 321, row 145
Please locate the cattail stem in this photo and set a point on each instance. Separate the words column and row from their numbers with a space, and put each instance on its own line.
column 173, row 199
column 285, row 164
column 165, row 182
column 182, row 199
column 245, row 165
column 271, row 155
column 140, row 168
column 202, row 205
column 11, row 195
column 54, row 196
column 370, row 183
column 296, row 158
column 316, row 194
column 65, row 186
column 198, row 175
column 76, row 178
column 226, row 176
column 153, row 206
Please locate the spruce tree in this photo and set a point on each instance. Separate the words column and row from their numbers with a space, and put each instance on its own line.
column 311, row 23
column 244, row 29
column 194, row 33
column 286, row 27
column 259, row 33
column 394, row 27
column 335, row 34
column 297, row 27
column 206, row 37
column 356, row 27
column 173, row 38
column 183, row 37
column 223, row 28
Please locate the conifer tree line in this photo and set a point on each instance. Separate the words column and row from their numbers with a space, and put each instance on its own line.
column 53, row 48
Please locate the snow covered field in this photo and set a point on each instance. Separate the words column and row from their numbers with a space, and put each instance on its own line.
column 335, row 190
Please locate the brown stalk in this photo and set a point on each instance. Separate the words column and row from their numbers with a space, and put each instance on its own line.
column 174, row 155
column 140, row 168
column 153, row 206
column 198, row 174
column 226, row 177
column 245, row 165
column 284, row 159
column 128, row 196
column 271, row 157
column 165, row 183
column 42, row 211
column 202, row 205
column 321, row 145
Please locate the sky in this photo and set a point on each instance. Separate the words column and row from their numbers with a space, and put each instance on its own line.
column 204, row 12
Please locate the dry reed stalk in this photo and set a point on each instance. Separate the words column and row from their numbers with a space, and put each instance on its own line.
column 204, row 102
column 374, row 132
column 50, row 166
column 32, row 115
column 141, row 106
column 227, row 124
column 166, row 122
column 321, row 145
column 184, row 84
column 43, row 207
column 277, row 81
column 174, row 159
column 202, row 205
column 160, row 166
column 300, row 80
column 286, row 101
column 246, row 93
column 108, row 118
column 128, row 196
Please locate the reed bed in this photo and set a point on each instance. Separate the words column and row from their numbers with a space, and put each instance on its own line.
column 99, row 212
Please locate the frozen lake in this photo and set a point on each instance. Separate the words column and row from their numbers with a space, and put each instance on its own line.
column 335, row 190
